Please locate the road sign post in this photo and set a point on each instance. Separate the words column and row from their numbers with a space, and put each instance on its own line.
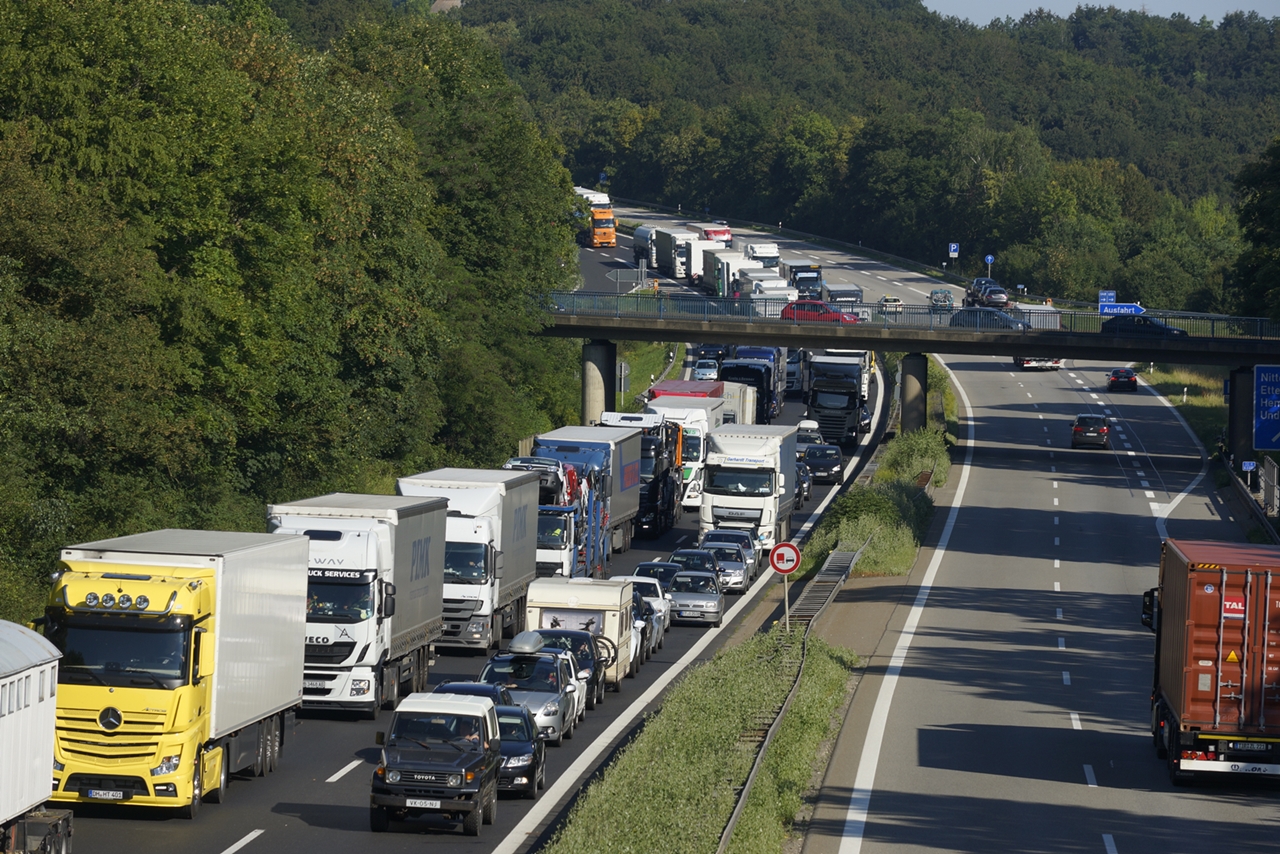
column 990, row 259
column 1266, row 408
column 785, row 558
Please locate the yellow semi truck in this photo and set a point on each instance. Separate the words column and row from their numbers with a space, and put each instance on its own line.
column 182, row 658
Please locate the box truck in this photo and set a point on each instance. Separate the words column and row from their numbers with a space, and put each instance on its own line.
column 491, row 549
column 607, row 460
column 697, row 417
column 374, row 595
column 671, row 246
column 721, row 269
column 686, row 388
column 28, row 718
column 748, row 481
column 1216, row 617
column 181, row 663
column 739, row 403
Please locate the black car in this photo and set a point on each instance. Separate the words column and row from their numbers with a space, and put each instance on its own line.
column 696, row 559
column 1140, row 325
column 524, row 752
column 825, row 462
column 663, row 570
column 710, row 351
column 588, row 652
column 1090, row 430
column 987, row 318
column 500, row 696
column 1122, row 379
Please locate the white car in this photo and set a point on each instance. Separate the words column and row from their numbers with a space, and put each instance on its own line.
column 890, row 304
column 651, row 590
column 706, row 369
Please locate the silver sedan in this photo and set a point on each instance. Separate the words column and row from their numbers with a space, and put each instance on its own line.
column 696, row 598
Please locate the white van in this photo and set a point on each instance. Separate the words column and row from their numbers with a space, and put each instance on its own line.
column 601, row 607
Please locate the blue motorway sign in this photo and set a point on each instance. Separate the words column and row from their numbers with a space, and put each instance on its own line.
column 953, row 249
column 1106, row 296
column 1120, row 308
column 990, row 259
column 1266, row 408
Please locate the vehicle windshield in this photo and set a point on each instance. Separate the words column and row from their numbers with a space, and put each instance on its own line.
column 464, row 563
column 728, row 481
column 1090, row 421
column 604, row 222
column 333, row 602
column 523, row 673
column 514, row 728
column 582, row 649
column 743, row 542
column 647, row 465
column 815, row 438
column 707, row 363
column 692, row 584
column 829, row 400
column 424, row 727
column 648, row 589
column 822, row 453
column 752, row 376
column 127, row 656
column 729, row 553
column 663, row 572
column 551, row 532
column 693, row 560
column 692, row 447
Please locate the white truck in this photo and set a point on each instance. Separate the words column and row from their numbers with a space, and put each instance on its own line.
column 375, row 584
column 695, row 264
column 671, row 246
column 599, row 606
column 28, row 678
column 766, row 253
column 748, row 481
column 721, row 269
column 491, row 549
column 697, row 417
column 739, row 403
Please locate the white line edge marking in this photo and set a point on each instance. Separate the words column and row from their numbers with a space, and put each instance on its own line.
column 1089, row 777
column 568, row 779
column 248, row 837
column 1109, row 843
column 1075, row 721
column 855, row 821
column 354, row 763
column 1059, row 613
column 682, row 539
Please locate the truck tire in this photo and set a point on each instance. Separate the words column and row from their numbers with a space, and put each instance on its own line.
column 1176, row 777
column 389, row 687
column 1157, row 735
column 259, row 768
column 471, row 822
column 191, row 810
column 273, row 744
column 379, row 819
column 219, row 795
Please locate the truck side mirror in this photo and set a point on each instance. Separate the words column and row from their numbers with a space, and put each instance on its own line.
column 499, row 564
column 203, row 656
column 606, row 484
column 389, row 603
column 1150, row 609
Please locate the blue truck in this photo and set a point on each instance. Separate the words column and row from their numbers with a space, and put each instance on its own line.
column 770, row 385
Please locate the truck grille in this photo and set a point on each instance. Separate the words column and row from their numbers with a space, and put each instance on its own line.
column 834, row 426
column 336, row 653
column 81, row 736
column 460, row 609
column 438, row 779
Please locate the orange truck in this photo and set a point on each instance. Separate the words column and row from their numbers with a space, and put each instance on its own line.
column 602, row 227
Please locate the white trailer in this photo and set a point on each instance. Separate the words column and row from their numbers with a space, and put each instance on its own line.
column 375, row 595
column 765, row 253
column 28, row 717
column 599, row 606
column 697, row 417
column 672, row 248
column 491, row 549
column 721, row 269
column 748, row 482
column 696, row 263
column 739, row 403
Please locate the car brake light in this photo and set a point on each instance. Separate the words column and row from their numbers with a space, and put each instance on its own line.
column 1077, row 429
column 1103, row 429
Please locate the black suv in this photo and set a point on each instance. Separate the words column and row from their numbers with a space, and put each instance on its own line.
column 1090, row 430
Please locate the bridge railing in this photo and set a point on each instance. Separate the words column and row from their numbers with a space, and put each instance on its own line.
column 769, row 311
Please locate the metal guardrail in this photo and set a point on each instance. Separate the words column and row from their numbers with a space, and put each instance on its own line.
column 768, row 312
column 817, row 595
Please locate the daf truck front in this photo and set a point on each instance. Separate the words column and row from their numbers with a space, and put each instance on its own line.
column 747, row 483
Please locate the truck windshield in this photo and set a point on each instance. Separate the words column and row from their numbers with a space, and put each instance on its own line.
column 833, row 400
column 464, row 563
column 332, row 602
column 729, row 481
column 603, row 222
column 692, row 447
column 551, row 532
column 129, row 655
column 647, row 465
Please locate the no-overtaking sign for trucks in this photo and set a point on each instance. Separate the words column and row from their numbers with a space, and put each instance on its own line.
column 784, row 558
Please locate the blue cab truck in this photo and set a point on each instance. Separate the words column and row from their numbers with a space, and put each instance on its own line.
column 607, row 460
column 770, row 385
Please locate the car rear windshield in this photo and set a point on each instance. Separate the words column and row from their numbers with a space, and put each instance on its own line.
column 1090, row 421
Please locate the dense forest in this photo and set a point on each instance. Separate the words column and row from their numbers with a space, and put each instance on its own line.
column 236, row 270
column 1093, row 151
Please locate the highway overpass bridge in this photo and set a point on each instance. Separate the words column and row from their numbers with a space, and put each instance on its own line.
column 1176, row 337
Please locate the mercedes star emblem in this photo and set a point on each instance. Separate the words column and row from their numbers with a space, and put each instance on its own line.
column 110, row 718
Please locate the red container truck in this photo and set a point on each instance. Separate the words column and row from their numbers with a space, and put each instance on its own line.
column 687, row 388
column 1215, row 702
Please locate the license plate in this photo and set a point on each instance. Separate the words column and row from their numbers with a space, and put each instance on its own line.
column 106, row 794
column 691, row 613
column 314, row 683
column 419, row 803
column 1248, row 745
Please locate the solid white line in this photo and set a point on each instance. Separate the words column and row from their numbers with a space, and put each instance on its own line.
column 1055, row 520
column 1055, row 483
column 354, row 763
column 1055, row 502
column 1057, row 541
column 855, row 822
column 1089, row 778
column 249, row 837
column 1161, row 525
column 1109, row 843
column 1149, row 494
column 1075, row 721
column 682, row 539
column 1066, row 677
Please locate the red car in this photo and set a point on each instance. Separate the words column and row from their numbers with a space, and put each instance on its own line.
column 815, row 311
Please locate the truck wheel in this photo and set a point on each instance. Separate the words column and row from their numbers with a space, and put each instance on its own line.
column 390, row 688
column 260, row 761
column 191, row 810
column 1157, row 736
column 273, row 744
column 471, row 822
column 379, row 819
column 219, row 795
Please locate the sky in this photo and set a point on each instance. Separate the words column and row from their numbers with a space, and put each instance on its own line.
column 982, row 12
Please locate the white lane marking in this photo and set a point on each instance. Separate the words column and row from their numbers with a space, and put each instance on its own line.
column 1051, row 455
column 1109, row 843
column 855, row 821
column 1028, row 394
column 1059, row 614
column 1066, row 677
column 1057, row 585
column 656, row 558
column 1075, row 721
column 1089, row 778
column 1132, row 454
column 1163, row 514
column 1139, row 472
column 1055, row 483
column 1149, row 494
column 1041, row 417
column 1128, row 445
column 1123, row 436
column 1094, row 396
column 1053, row 468
column 355, row 763
column 1048, row 441
column 1046, row 429
column 882, row 278
column 1012, row 374
column 1036, row 406
column 1055, row 520
column 682, row 539
column 1106, row 412
column 1073, row 376
column 1062, row 643
column 248, row 837
column 1020, row 385
column 1079, row 382
column 1057, row 564
column 1055, row 502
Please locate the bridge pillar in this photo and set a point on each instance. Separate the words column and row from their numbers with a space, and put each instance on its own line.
column 599, row 379
column 915, row 385
column 1240, row 416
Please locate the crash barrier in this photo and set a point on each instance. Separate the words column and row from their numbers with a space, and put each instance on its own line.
column 817, row 595
column 1013, row 319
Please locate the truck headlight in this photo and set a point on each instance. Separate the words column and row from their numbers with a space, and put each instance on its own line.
column 393, row 776
column 168, row 765
column 477, row 625
column 359, row 687
column 517, row 761
column 58, row 766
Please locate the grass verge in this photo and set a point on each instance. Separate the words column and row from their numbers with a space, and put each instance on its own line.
column 644, row 359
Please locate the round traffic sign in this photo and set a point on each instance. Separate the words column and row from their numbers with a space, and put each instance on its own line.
column 990, row 259
column 784, row 558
